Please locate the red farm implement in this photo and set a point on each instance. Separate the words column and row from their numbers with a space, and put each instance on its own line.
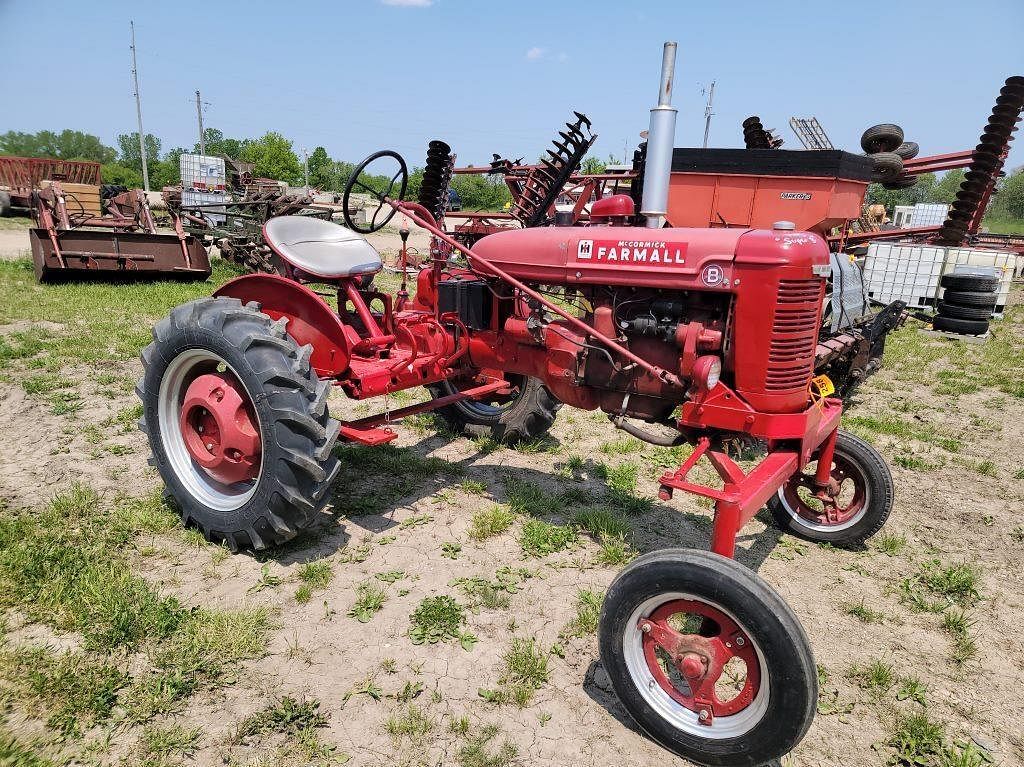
column 122, row 242
column 22, row 175
column 706, row 336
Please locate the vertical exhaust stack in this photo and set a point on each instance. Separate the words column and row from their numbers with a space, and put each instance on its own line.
column 661, row 139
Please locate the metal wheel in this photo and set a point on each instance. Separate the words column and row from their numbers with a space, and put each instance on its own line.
column 694, row 664
column 707, row 658
column 210, row 432
column 851, row 508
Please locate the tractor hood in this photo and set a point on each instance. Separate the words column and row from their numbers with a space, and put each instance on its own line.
column 641, row 257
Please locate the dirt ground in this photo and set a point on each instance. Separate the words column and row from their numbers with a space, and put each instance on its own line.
column 961, row 506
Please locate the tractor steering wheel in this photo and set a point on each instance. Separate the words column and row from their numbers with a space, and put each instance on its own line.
column 378, row 187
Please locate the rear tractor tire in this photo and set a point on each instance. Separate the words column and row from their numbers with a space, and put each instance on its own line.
column 237, row 423
column 524, row 415
column 861, row 497
column 707, row 658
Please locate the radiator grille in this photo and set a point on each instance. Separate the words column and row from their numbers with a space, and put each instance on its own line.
column 794, row 335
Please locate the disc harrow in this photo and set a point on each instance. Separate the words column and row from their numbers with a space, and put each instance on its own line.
column 986, row 164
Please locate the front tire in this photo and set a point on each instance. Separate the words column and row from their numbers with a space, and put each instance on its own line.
column 861, row 503
column 707, row 658
column 237, row 423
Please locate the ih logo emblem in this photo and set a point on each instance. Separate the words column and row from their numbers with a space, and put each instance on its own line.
column 585, row 249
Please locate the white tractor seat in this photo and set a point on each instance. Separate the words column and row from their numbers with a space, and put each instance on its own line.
column 321, row 248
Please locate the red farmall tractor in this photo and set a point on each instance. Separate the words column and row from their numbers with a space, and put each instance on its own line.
column 710, row 332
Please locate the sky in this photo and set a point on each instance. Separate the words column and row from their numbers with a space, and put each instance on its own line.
column 502, row 77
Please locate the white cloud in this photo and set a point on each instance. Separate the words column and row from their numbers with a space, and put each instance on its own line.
column 535, row 54
column 409, row 3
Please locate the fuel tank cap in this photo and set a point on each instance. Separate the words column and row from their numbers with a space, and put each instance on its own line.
column 785, row 226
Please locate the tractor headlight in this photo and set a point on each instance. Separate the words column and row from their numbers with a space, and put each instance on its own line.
column 707, row 371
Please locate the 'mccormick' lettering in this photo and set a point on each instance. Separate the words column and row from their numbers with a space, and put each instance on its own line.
column 632, row 252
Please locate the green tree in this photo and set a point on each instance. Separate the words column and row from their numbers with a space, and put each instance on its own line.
column 66, row 145
column 115, row 173
column 592, row 165
column 217, row 145
column 1010, row 198
column 479, row 192
column 167, row 172
column 131, row 156
column 273, row 157
column 920, row 192
column 320, row 166
column 947, row 187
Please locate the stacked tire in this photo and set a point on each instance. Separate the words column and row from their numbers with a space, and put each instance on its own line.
column 967, row 304
column 884, row 144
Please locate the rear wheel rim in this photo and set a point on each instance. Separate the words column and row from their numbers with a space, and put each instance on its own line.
column 493, row 406
column 706, row 677
column 219, row 484
column 848, row 497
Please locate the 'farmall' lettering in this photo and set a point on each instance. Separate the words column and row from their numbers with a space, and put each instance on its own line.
column 632, row 252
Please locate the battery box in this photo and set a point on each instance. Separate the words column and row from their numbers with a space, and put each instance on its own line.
column 470, row 299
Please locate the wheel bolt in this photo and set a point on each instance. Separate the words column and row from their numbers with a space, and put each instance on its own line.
column 740, row 641
column 703, row 715
column 645, row 627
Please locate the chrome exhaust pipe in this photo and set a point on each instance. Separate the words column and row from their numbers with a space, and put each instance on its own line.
column 661, row 139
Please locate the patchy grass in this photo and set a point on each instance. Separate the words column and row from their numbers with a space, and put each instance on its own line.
column 526, row 671
column 160, row 743
column 317, row 574
column 487, row 523
column 493, row 594
column 373, row 479
column 525, row 497
column 478, row 750
column 862, row 612
column 588, row 613
column 877, row 677
column 952, row 585
column 411, row 722
column 370, row 599
column 66, row 565
column 110, row 322
column 70, row 692
column 539, row 538
column 439, row 619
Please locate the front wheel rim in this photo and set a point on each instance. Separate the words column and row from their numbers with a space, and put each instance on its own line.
column 845, row 502
column 217, row 483
column 689, row 679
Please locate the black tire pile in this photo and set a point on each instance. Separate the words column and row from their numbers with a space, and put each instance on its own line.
column 885, row 145
column 967, row 304
column 754, row 134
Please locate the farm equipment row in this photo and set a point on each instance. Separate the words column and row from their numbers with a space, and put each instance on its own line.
column 706, row 336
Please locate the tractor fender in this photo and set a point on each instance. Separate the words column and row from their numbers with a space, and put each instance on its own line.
column 311, row 320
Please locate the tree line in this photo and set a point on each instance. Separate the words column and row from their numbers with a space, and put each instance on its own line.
column 272, row 155
column 1007, row 202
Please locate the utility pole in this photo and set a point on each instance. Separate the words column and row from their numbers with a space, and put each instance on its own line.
column 138, row 112
column 305, row 163
column 708, row 113
column 199, row 113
